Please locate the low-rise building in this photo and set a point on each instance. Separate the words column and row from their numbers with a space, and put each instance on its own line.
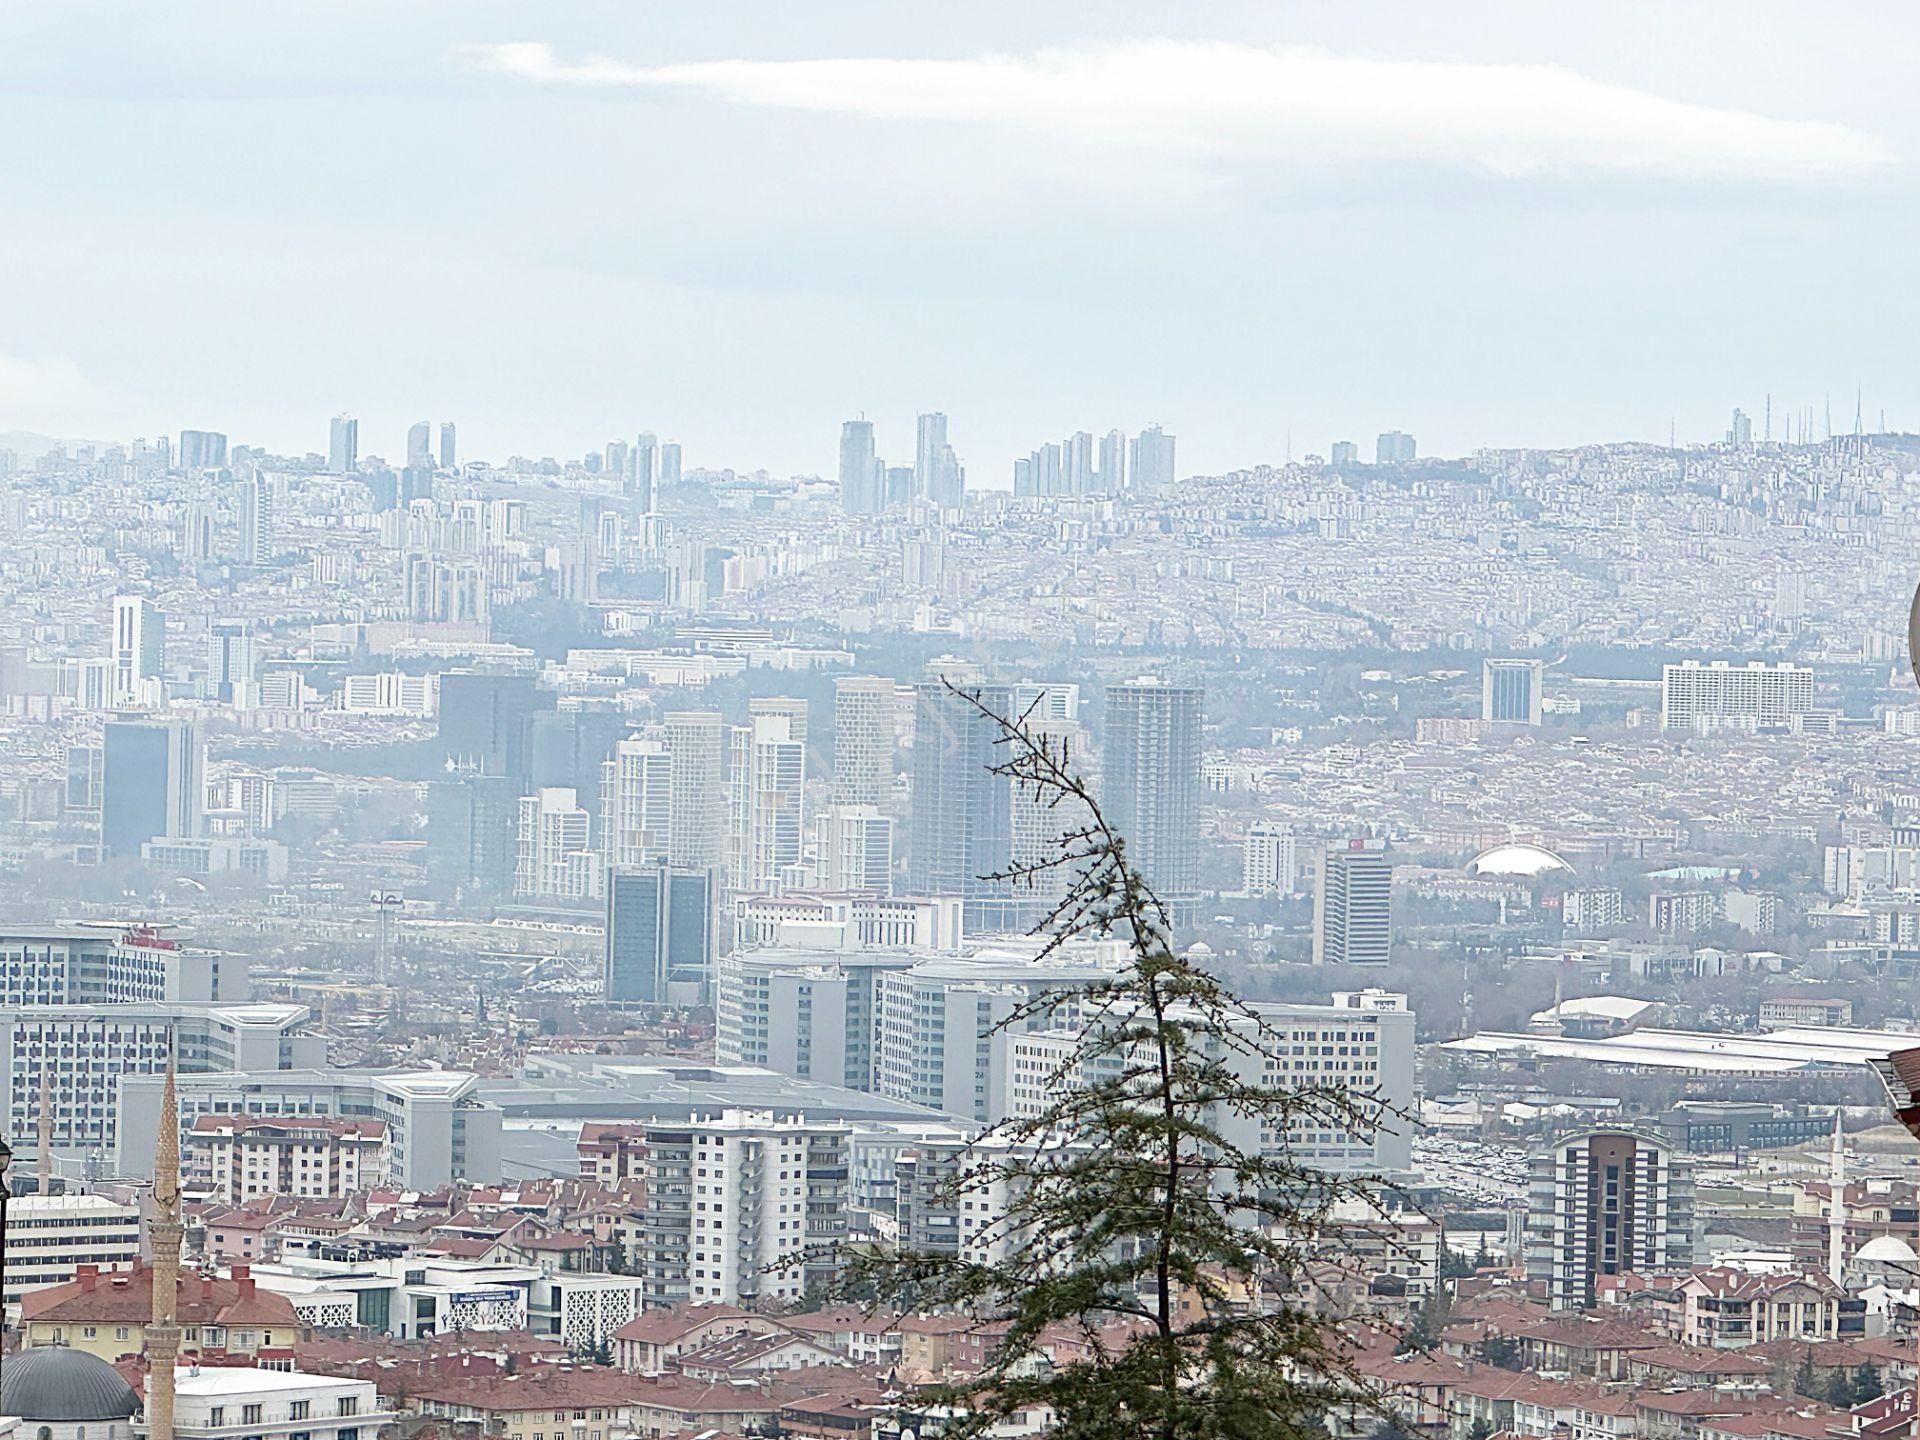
column 218, row 1401
column 235, row 1158
column 107, row 1314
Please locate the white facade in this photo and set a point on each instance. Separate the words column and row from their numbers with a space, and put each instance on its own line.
column 87, row 1053
column 636, row 798
column 803, row 1012
column 391, row 692
column 139, row 648
column 238, row 1158
column 697, row 748
column 1361, row 1043
column 864, row 712
column 856, row 848
column 49, row 1235
column 553, row 834
column 934, row 1039
column 733, row 1198
column 1593, row 908
column 766, row 783
column 813, row 921
column 1268, row 860
column 219, row 1402
column 438, row 1128
column 1696, row 697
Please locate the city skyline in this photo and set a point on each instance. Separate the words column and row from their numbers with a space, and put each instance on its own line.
column 1312, row 307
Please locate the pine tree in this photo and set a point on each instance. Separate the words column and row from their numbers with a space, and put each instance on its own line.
column 1806, row 1381
column 1157, row 1181
column 1867, row 1384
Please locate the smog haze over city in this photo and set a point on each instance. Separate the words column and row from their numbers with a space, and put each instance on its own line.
column 880, row 721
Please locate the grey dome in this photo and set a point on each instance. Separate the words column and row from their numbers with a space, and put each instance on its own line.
column 53, row 1382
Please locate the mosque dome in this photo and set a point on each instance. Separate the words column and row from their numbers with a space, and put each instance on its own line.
column 55, row 1382
column 1885, row 1250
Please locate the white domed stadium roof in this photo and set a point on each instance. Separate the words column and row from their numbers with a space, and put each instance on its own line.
column 1518, row 862
column 1886, row 1250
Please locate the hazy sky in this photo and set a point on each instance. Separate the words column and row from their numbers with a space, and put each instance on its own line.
column 738, row 224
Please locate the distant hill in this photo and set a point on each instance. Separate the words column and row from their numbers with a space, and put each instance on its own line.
column 29, row 446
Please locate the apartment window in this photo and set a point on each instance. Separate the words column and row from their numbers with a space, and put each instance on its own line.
column 216, row 1417
column 301, row 1409
column 249, row 1414
column 349, row 1405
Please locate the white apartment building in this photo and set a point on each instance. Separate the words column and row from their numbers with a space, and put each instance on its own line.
column 139, row 649
column 216, row 1402
column 636, row 798
column 856, row 848
column 438, row 1129
column 89, row 1053
column 732, row 1201
column 766, row 785
column 1593, row 908
column 864, row 721
column 1362, row 1042
column 697, row 747
column 936, row 1041
column 49, row 1235
column 235, row 1158
column 810, row 1013
column 84, row 966
column 821, row 921
column 1606, row 1202
column 553, row 861
column 391, row 692
column 1702, row 697
column 1268, row 860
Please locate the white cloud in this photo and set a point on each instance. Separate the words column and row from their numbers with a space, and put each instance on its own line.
column 1247, row 107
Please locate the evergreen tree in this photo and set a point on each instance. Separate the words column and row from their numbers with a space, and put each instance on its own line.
column 1498, row 1350
column 1157, row 1182
column 1867, row 1384
column 1806, row 1381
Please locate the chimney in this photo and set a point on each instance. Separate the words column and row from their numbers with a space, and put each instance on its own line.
column 243, row 1277
column 206, row 1287
column 87, row 1275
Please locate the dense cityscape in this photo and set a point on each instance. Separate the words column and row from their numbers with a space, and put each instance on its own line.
column 484, row 933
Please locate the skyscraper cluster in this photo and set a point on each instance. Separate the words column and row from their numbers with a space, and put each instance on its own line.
column 868, row 485
column 1081, row 466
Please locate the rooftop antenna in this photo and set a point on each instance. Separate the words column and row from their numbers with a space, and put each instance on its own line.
column 1829, row 415
column 1670, row 432
column 1856, row 412
column 1769, row 429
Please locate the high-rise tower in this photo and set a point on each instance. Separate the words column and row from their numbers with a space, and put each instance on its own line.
column 862, row 739
column 1151, row 793
column 961, row 821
